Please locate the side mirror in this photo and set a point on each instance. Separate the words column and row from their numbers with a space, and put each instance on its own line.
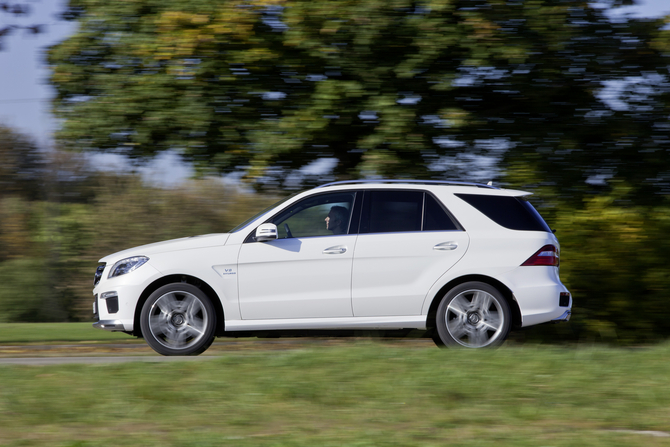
column 266, row 232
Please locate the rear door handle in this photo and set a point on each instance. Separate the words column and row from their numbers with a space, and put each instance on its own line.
column 336, row 250
column 451, row 245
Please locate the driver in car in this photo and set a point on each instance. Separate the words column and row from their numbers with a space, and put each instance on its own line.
column 337, row 220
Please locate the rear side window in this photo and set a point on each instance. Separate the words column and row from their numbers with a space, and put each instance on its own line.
column 391, row 211
column 396, row 211
column 514, row 213
column 435, row 217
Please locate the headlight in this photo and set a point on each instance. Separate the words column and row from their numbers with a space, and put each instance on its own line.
column 127, row 265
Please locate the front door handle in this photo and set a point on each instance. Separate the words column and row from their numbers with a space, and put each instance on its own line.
column 336, row 250
column 451, row 245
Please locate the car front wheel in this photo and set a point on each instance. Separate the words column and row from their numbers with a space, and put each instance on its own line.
column 178, row 319
column 473, row 315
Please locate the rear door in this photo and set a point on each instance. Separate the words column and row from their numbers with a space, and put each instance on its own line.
column 407, row 240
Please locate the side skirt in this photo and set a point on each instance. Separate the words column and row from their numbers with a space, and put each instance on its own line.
column 344, row 323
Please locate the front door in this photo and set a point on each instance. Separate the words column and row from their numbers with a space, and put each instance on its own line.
column 306, row 273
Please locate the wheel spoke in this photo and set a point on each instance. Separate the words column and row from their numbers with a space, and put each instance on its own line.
column 459, row 306
column 167, row 303
column 478, row 337
column 181, row 338
column 192, row 307
column 492, row 320
column 161, row 327
column 159, row 323
column 481, row 301
column 197, row 322
column 194, row 331
column 457, row 328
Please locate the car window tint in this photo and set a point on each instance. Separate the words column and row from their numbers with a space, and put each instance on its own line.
column 515, row 213
column 307, row 218
column 392, row 211
column 435, row 217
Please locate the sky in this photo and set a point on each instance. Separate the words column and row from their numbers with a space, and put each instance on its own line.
column 25, row 93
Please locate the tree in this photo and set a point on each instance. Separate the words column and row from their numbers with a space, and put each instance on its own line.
column 391, row 88
column 21, row 165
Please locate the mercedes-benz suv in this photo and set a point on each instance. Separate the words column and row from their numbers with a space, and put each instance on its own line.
column 464, row 262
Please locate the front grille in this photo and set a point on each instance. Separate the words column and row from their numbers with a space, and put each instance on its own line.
column 98, row 274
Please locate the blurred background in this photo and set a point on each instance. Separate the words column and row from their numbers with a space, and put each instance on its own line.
column 130, row 122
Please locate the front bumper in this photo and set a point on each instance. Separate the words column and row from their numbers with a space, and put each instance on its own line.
column 110, row 325
column 115, row 299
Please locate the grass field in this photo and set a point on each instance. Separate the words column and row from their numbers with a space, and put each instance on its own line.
column 58, row 333
column 362, row 393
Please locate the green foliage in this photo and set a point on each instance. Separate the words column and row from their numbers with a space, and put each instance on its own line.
column 385, row 87
column 53, row 231
column 23, row 286
column 54, row 246
column 613, row 259
column 21, row 165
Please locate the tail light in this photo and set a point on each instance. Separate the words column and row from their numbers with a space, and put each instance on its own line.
column 547, row 255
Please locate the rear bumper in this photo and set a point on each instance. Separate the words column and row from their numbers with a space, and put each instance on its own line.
column 540, row 294
column 564, row 317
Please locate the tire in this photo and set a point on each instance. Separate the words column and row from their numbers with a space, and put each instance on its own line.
column 178, row 319
column 437, row 340
column 473, row 315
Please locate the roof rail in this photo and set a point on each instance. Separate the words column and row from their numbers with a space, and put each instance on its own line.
column 409, row 182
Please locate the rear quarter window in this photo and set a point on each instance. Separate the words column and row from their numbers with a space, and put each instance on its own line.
column 514, row 213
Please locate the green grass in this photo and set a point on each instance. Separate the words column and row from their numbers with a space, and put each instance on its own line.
column 57, row 332
column 362, row 393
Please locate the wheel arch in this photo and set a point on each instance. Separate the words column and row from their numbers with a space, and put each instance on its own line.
column 173, row 279
column 507, row 293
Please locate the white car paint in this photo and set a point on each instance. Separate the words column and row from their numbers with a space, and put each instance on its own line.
column 393, row 271
column 296, row 278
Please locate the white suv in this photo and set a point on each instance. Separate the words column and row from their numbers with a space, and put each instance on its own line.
column 465, row 262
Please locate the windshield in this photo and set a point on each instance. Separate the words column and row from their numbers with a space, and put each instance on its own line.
column 256, row 216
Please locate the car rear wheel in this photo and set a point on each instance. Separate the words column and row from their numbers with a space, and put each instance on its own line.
column 178, row 319
column 473, row 315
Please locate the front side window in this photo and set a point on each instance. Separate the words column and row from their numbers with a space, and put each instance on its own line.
column 321, row 215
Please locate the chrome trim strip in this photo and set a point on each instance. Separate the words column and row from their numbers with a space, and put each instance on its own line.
column 564, row 317
column 109, row 325
column 106, row 295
